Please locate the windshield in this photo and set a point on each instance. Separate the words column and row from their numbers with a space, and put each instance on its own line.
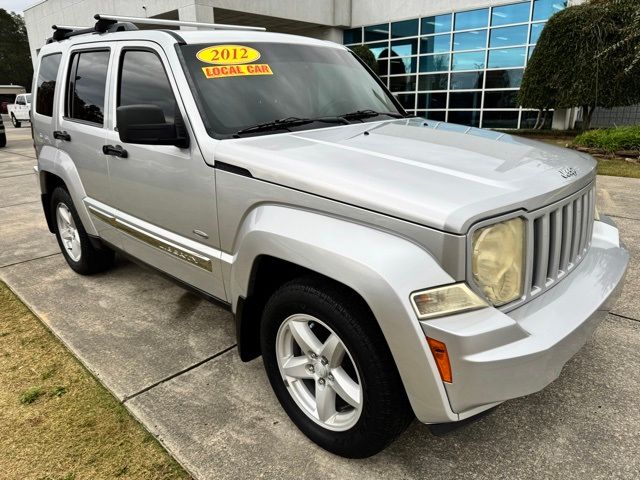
column 241, row 86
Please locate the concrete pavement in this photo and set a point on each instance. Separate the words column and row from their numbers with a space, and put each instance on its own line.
column 169, row 356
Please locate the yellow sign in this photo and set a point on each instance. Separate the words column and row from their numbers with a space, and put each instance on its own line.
column 228, row 55
column 221, row 71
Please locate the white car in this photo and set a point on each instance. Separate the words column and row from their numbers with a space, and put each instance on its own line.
column 20, row 110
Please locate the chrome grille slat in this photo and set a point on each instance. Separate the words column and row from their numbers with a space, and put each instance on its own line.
column 559, row 237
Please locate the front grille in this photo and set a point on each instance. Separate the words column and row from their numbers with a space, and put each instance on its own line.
column 559, row 236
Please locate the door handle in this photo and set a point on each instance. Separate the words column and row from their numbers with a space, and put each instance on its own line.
column 116, row 151
column 62, row 135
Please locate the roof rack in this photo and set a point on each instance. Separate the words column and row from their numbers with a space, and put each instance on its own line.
column 114, row 23
column 173, row 23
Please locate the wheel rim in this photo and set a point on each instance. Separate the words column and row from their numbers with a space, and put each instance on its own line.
column 13, row 120
column 68, row 232
column 319, row 372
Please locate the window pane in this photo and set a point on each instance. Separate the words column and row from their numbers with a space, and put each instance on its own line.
column 376, row 32
column 434, row 63
column 507, row 99
column 437, row 116
column 507, row 36
column 407, row 28
column 432, row 100
column 470, row 40
column 47, row 84
column 465, row 99
column 379, row 50
column 536, row 30
column 465, row 118
column 407, row 100
column 436, row 81
column 500, row 120
column 144, row 81
column 404, row 48
column 88, row 85
column 516, row 13
column 383, row 67
column 543, row 9
column 529, row 119
column 438, row 24
column 466, row 80
column 468, row 61
column 404, row 65
column 507, row 57
column 504, row 78
column 353, row 35
column 435, row 44
column 472, row 19
column 402, row 84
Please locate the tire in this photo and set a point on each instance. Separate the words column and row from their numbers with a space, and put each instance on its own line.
column 3, row 140
column 333, row 315
column 78, row 251
column 15, row 121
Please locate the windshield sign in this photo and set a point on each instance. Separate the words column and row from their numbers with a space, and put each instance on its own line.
column 261, row 88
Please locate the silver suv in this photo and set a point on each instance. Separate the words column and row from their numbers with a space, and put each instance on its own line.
column 385, row 266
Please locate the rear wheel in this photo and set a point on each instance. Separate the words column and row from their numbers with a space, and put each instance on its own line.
column 81, row 255
column 15, row 121
column 331, row 369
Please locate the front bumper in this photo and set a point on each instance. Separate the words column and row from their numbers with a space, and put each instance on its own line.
column 496, row 356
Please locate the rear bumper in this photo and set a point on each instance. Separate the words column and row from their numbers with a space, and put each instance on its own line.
column 496, row 356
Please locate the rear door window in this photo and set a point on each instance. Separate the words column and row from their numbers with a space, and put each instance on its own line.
column 86, row 88
column 46, row 85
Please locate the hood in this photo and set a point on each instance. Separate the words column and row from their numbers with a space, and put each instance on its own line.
column 435, row 174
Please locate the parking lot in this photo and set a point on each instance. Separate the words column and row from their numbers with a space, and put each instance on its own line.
column 170, row 357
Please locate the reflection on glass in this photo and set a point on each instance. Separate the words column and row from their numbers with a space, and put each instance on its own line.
column 437, row 24
column 536, row 30
column 472, row 19
column 379, row 50
column 402, row 84
column 436, row 81
column 383, row 67
column 438, row 116
column 543, row 9
column 353, row 35
column 516, row 13
column 402, row 65
column 500, row 120
column 470, row 40
column 432, row 100
column 466, row 80
column 407, row 100
column 507, row 57
column 404, row 48
column 504, row 78
column 435, row 44
column 434, row 63
column 376, row 32
column 465, row 99
column 498, row 99
column 468, row 61
column 508, row 36
column 465, row 118
column 406, row 28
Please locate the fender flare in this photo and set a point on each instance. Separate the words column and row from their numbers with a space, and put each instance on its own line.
column 381, row 267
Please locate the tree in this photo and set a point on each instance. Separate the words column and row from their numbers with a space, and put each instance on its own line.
column 15, row 57
column 575, row 63
column 366, row 56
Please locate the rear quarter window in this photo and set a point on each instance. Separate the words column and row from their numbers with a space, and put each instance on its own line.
column 46, row 86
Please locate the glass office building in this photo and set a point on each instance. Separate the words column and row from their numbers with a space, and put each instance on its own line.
column 462, row 67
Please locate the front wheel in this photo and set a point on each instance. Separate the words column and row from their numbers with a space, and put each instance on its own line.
column 16, row 123
column 331, row 369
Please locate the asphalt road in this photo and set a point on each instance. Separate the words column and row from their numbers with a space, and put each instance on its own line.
column 169, row 356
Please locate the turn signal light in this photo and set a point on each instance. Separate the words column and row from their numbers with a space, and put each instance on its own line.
column 439, row 351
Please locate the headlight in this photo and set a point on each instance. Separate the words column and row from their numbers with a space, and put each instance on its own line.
column 498, row 260
column 447, row 300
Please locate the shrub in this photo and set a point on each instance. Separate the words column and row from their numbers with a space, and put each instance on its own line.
column 611, row 139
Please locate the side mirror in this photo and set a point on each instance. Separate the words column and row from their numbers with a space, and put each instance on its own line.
column 146, row 125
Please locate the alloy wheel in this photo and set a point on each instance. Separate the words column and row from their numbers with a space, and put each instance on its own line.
column 68, row 232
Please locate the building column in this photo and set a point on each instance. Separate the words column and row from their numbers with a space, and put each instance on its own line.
column 195, row 13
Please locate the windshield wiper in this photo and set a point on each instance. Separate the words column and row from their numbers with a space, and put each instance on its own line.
column 285, row 123
column 361, row 114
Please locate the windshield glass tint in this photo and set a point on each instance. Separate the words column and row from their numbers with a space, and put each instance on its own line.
column 284, row 81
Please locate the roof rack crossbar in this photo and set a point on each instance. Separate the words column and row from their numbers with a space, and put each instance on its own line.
column 173, row 23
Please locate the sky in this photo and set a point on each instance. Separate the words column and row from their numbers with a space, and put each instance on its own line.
column 17, row 5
